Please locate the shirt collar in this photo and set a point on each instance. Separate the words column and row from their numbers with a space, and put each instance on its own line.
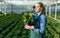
column 38, row 13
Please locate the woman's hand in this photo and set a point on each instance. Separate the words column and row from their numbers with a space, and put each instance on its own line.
column 29, row 27
column 26, row 26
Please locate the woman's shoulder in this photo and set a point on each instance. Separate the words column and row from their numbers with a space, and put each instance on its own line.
column 42, row 16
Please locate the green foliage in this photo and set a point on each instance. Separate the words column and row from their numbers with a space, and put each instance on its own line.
column 52, row 28
column 28, row 17
column 12, row 26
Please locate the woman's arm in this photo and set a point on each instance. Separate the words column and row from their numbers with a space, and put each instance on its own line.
column 42, row 24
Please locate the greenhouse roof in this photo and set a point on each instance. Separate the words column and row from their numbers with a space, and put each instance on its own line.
column 29, row 2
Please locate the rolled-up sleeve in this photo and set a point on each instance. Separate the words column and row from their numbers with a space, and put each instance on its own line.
column 42, row 23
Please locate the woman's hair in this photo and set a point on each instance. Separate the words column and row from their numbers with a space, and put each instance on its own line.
column 43, row 7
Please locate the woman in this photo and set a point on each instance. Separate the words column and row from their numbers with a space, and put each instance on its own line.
column 40, row 15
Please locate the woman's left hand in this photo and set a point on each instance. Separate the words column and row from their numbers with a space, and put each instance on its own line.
column 29, row 27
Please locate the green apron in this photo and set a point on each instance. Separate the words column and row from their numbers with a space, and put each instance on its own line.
column 33, row 34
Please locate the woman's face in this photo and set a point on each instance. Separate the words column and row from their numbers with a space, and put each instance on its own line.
column 37, row 8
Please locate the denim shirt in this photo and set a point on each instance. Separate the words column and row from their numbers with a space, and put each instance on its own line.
column 42, row 23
